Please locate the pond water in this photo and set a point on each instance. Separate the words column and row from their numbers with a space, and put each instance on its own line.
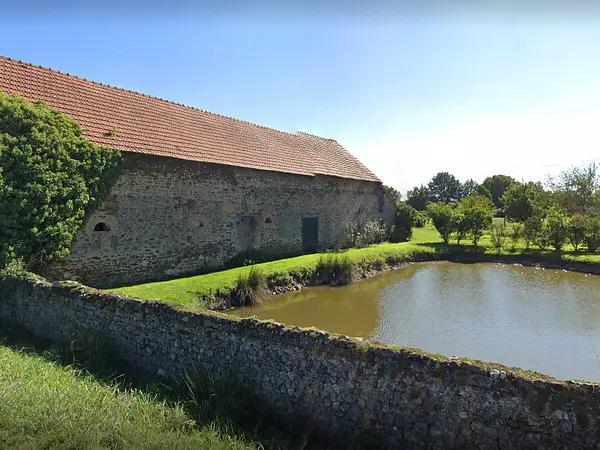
column 541, row 319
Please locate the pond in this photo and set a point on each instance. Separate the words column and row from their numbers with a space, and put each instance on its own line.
column 546, row 320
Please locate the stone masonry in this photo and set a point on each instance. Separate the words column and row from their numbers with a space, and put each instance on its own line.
column 343, row 389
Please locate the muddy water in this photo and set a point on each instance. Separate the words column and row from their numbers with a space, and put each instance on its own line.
column 542, row 319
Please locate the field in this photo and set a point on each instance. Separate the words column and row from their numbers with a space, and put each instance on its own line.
column 48, row 404
column 185, row 291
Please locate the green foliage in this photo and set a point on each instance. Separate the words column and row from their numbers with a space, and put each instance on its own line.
column 50, row 178
column 576, row 189
column 496, row 185
column 477, row 213
column 534, row 231
column 373, row 232
column 419, row 197
column 460, row 226
column 445, row 187
column 592, row 233
column 337, row 269
column 515, row 233
column 442, row 216
column 576, row 229
column 498, row 234
column 394, row 194
column 250, row 288
column 556, row 223
column 406, row 217
column 521, row 200
column 468, row 188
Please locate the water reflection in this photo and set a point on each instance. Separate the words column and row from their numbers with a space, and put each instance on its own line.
column 546, row 320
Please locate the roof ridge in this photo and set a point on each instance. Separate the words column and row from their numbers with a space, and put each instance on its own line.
column 154, row 97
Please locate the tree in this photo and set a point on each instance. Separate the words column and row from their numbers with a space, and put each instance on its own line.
column 50, row 177
column 418, row 197
column 442, row 216
column 394, row 194
column 445, row 187
column 576, row 189
column 468, row 188
column 404, row 222
column 497, row 186
column 521, row 200
column 576, row 228
column 477, row 212
column 556, row 221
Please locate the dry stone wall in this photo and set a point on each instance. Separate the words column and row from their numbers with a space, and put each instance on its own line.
column 342, row 388
column 168, row 217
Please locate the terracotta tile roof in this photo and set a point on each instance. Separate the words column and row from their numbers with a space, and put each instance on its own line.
column 154, row 126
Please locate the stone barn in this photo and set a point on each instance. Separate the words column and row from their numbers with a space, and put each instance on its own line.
column 198, row 188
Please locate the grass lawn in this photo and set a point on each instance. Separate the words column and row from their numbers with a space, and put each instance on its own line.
column 45, row 405
column 185, row 291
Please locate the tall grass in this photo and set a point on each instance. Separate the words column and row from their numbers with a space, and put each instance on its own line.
column 334, row 268
column 250, row 288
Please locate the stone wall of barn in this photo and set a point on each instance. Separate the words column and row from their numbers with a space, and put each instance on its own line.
column 168, row 217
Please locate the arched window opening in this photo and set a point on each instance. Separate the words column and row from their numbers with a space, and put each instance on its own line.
column 268, row 220
column 200, row 224
column 101, row 226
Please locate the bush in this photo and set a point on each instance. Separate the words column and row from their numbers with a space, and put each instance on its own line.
column 50, row 178
column 373, row 232
column 442, row 216
column 514, row 235
column 498, row 235
column 592, row 233
column 576, row 229
column 556, row 223
column 250, row 288
column 405, row 220
column 420, row 219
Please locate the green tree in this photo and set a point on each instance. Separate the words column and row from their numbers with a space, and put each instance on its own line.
column 468, row 188
column 445, row 187
column 576, row 228
column 50, row 177
column 521, row 200
column 442, row 216
column 460, row 226
column 394, row 194
column 556, row 222
column 406, row 217
column 576, row 189
column 477, row 211
column 497, row 186
column 419, row 197
column 592, row 233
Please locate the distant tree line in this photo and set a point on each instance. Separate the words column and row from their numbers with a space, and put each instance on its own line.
column 566, row 208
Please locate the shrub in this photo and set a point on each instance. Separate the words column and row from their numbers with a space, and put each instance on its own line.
column 50, row 178
column 374, row 232
column 498, row 235
column 442, row 216
column 250, row 288
column 420, row 219
column 405, row 220
column 592, row 233
column 556, row 223
column 338, row 269
column 514, row 235
column 576, row 229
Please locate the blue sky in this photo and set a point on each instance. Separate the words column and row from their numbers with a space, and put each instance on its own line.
column 410, row 92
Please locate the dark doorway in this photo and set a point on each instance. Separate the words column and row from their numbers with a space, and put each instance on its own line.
column 310, row 234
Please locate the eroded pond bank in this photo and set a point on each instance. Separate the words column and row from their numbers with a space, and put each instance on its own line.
column 547, row 320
